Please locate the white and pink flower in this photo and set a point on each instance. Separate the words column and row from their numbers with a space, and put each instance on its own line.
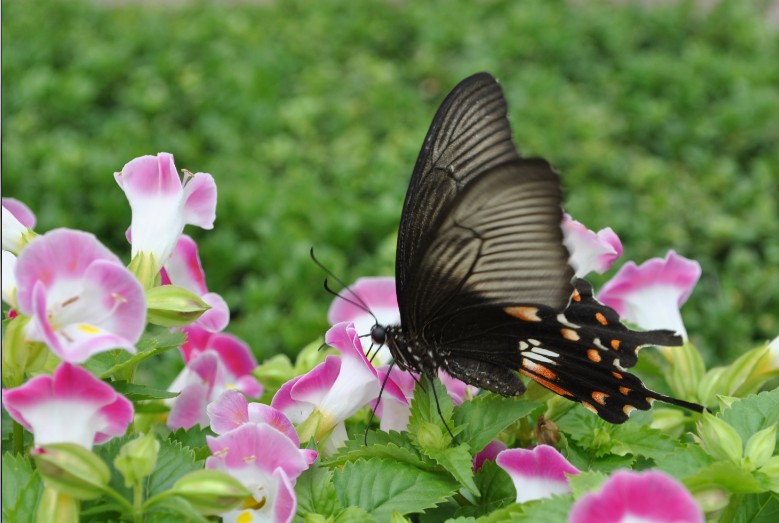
column 18, row 224
column 651, row 294
column 70, row 406
column 215, row 362
column 590, row 251
column 162, row 204
column 267, row 463
column 184, row 269
column 333, row 390
column 81, row 298
column 628, row 496
column 538, row 473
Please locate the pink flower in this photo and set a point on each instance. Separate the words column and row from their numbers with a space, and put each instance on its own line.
column 183, row 268
column 333, row 390
column 18, row 222
column 215, row 362
column 379, row 296
column 71, row 406
column 651, row 294
column 82, row 299
column 162, row 204
column 488, row 453
column 9, row 278
column 537, row 473
column 648, row 497
column 266, row 462
column 231, row 410
column 393, row 409
column 590, row 251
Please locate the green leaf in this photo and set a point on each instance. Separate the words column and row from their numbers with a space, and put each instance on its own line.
column 431, row 415
column 136, row 392
column 114, row 362
column 483, row 417
column 171, row 510
column 316, row 493
column 548, row 510
column 752, row 508
column 497, row 490
column 642, row 440
column 753, row 413
column 392, row 445
column 353, row 515
column 173, row 461
column 585, row 482
column 459, row 463
column 584, row 458
column 687, row 461
column 381, row 486
column 21, row 489
column 502, row 515
column 194, row 438
column 724, row 474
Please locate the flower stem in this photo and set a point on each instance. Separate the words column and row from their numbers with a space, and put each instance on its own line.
column 18, row 432
column 138, row 502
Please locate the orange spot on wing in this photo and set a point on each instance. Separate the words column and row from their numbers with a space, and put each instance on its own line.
column 539, row 369
column 615, row 344
column 569, row 334
column 600, row 397
column 592, row 355
column 601, row 318
column 589, row 407
column 627, row 409
column 546, row 383
column 523, row 313
column 576, row 296
column 616, row 375
column 625, row 390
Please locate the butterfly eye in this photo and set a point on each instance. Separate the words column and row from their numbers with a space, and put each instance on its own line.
column 379, row 334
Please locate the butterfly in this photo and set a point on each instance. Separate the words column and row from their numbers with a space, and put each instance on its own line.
column 484, row 286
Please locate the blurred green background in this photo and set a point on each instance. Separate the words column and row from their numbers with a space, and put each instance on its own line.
column 663, row 120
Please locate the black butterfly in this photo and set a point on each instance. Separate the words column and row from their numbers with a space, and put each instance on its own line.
column 482, row 275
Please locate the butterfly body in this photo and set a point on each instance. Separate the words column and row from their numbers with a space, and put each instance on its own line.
column 483, row 281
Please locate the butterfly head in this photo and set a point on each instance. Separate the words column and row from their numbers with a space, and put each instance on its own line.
column 379, row 334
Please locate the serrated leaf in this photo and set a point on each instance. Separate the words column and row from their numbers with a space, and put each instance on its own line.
column 380, row 486
column 431, row 405
column 352, row 448
column 316, row 493
column 486, row 415
column 548, row 510
column 173, row 461
column 586, row 482
column 686, row 462
column 136, row 392
column 584, row 458
column 171, row 510
column 389, row 450
column 194, row 438
column 753, row 413
column 21, row 489
column 753, row 508
column 353, row 515
column 108, row 452
column 724, row 474
column 459, row 463
column 497, row 491
column 502, row 515
column 642, row 440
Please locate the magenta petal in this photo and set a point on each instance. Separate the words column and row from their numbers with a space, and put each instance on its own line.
column 315, row 384
column 20, row 211
column 648, row 497
column 375, row 292
column 590, row 251
column 184, row 268
column 537, row 473
column 249, row 385
column 285, row 504
column 189, row 407
column 261, row 413
column 488, row 453
column 149, row 176
column 197, row 342
column 217, row 317
column 200, row 201
column 234, row 353
column 120, row 298
column 117, row 416
column 228, row 411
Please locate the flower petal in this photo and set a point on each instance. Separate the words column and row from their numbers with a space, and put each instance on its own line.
column 184, row 268
column 537, row 473
column 8, row 278
column 590, row 251
column 228, row 411
column 217, row 317
column 20, row 211
column 200, row 201
column 646, row 497
column 488, row 453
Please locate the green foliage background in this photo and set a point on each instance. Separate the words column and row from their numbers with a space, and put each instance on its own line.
column 663, row 121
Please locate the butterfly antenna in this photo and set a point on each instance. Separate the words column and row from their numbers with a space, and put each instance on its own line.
column 357, row 302
column 440, row 414
column 378, row 400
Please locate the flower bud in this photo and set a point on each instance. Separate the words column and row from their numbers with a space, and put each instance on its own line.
column 719, row 439
column 20, row 355
column 72, row 470
column 686, row 369
column 146, row 269
column 771, row 470
column 172, row 306
column 430, row 436
column 57, row 507
column 668, row 421
column 761, row 446
column 210, row 491
column 137, row 458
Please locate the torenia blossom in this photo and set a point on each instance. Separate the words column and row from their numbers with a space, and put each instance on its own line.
column 162, row 204
column 267, row 463
column 538, row 473
column 231, row 410
column 627, row 497
column 333, row 390
column 183, row 269
column 488, row 453
column 81, row 298
column 70, row 406
column 378, row 295
column 590, row 251
column 215, row 362
column 651, row 294
column 393, row 409
column 18, row 224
